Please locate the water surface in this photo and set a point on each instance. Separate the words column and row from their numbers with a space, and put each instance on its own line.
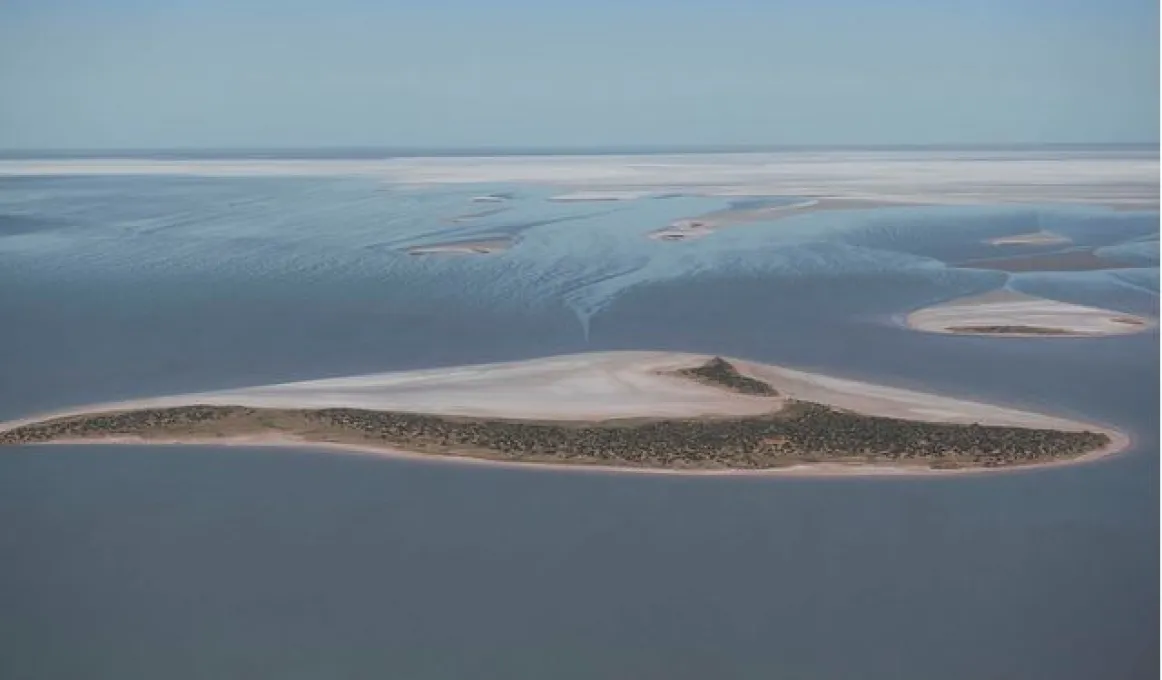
column 196, row 562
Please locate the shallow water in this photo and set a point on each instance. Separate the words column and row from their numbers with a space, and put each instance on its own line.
column 193, row 562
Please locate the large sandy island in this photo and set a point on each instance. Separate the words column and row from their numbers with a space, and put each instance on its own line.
column 598, row 387
column 1011, row 314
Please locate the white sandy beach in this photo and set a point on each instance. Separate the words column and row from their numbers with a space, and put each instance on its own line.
column 599, row 386
column 1009, row 308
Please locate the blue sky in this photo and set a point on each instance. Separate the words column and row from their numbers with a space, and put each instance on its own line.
column 454, row 73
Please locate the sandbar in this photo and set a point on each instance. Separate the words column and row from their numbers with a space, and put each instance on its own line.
column 479, row 247
column 704, row 225
column 1035, row 238
column 1006, row 313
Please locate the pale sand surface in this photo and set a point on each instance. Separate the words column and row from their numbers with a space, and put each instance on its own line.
column 576, row 387
column 1009, row 308
column 597, row 386
column 1036, row 238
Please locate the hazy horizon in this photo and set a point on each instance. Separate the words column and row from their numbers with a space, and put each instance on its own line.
column 454, row 74
column 321, row 152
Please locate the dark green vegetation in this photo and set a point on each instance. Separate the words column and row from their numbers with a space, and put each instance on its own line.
column 801, row 432
column 719, row 371
column 1009, row 330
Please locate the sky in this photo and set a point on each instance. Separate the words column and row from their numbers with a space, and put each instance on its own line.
column 142, row 74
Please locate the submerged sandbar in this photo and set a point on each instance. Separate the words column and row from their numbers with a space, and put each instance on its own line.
column 474, row 247
column 1068, row 261
column 631, row 410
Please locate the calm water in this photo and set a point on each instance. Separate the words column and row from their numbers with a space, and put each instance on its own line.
column 183, row 562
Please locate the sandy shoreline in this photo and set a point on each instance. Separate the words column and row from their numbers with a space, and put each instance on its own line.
column 594, row 387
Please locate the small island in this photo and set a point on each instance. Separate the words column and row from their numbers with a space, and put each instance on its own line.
column 779, row 433
column 1007, row 313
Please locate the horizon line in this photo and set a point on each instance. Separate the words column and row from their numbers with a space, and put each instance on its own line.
column 389, row 151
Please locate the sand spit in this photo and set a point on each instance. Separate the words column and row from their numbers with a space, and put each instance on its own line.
column 1007, row 313
column 597, row 387
column 698, row 227
column 483, row 247
column 1035, row 238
